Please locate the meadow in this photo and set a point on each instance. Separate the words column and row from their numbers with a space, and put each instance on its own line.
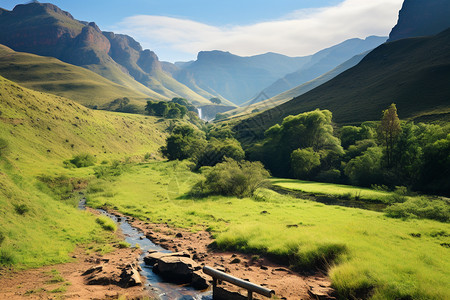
column 366, row 253
column 322, row 188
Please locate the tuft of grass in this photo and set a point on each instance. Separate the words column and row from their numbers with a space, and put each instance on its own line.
column 423, row 208
column 7, row 256
column 123, row 244
column 106, row 223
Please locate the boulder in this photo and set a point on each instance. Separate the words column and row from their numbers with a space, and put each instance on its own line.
column 154, row 257
column 199, row 280
column 177, row 268
column 130, row 277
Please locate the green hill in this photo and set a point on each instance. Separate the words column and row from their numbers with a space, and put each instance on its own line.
column 47, row 74
column 413, row 73
column 38, row 132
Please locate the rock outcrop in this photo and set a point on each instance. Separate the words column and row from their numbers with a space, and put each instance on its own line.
column 421, row 18
column 178, row 267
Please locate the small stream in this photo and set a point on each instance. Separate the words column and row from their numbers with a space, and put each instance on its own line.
column 154, row 283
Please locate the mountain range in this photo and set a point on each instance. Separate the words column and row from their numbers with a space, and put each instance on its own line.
column 46, row 30
column 242, row 79
column 413, row 73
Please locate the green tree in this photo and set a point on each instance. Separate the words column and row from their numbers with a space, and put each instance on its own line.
column 307, row 130
column 366, row 169
column 304, row 162
column 184, row 142
column 217, row 150
column 389, row 130
column 215, row 100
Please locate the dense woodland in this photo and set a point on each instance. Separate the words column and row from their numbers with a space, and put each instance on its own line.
column 384, row 154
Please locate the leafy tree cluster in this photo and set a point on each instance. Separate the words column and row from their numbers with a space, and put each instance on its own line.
column 123, row 105
column 303, row 146
column 177, row 108
column 389, row 152
column 233, row 178
column 204, row 149
column 215, row 100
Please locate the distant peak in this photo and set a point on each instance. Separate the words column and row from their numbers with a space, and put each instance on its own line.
column 36, row 7
column 213, row 53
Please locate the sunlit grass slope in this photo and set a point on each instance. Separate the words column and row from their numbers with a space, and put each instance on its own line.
column 368, row 254
column 331, row 189
column 47, row 74
column 41, row 131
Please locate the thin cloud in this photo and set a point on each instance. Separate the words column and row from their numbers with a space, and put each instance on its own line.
column 300, row 33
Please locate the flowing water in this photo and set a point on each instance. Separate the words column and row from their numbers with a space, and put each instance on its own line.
column 161, row 289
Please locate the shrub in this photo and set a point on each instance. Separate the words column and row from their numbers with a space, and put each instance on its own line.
column 106, row 223
column 81, row 161
column 7, row 257
column 2, row 237
column 115, row 169
column 232, row 178
column 424, row 208
column 21, row 209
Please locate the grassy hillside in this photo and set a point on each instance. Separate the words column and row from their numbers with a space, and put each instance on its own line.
column 413, row 73
column 368, row 254
column 38, row 131
column 47, row 74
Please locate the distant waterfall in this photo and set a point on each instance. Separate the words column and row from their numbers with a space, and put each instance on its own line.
column 199, row 111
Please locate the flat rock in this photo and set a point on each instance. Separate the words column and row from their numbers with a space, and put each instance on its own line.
column 154, row 257
column 177, row 269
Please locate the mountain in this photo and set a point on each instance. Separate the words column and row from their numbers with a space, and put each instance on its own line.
column 421, row 18
column 323, row 62
column 46, row 30
column 48, row 74
column 297, row 91
column 234, row 77
column 413, row 73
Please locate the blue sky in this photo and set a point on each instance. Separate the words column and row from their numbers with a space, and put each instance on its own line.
column 178, row 29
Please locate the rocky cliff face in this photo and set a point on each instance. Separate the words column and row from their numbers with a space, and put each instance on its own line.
column 421, row 18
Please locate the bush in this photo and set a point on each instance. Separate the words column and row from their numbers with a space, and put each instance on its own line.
column 115, row 169
column 106, row 223
column 423, row 208
column 21, row 209
column 7, row 257
column 232, row 178
column 81, row 161
column 2, row 238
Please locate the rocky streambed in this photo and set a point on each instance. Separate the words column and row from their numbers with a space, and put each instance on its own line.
column 167, row 275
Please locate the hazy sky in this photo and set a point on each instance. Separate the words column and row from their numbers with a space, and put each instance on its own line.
column 178, row 29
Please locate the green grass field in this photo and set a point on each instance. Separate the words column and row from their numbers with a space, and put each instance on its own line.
column 332, row 189
column 366, row 253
